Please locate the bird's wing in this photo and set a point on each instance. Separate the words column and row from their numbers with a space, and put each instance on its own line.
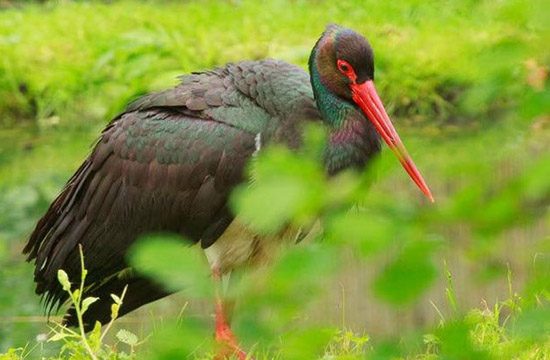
column 268, row 96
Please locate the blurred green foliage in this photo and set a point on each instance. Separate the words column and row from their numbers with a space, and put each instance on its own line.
column 466, row 82
column 163, row 257
column 432, row 58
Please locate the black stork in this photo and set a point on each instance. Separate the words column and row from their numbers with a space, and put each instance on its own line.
column 170, row 161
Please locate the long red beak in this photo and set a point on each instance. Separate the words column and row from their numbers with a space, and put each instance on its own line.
column 367, row 98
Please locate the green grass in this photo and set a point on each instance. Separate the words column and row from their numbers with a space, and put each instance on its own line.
column 91, row 58
column 466, row 82
column 482, row 333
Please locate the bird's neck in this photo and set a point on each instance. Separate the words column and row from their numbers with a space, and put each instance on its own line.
column 352, row 139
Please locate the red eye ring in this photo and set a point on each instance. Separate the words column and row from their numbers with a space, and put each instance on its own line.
column 345, row 68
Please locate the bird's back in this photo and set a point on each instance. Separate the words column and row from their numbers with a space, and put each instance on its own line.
column 254, row 96
column 167, row 164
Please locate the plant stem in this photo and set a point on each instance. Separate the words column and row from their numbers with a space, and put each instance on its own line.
column 78, row 301
column 114, row 317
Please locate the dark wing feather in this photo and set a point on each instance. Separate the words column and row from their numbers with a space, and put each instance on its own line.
column 151, row 171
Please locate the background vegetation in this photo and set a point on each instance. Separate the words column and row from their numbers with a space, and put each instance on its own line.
column 465, row 81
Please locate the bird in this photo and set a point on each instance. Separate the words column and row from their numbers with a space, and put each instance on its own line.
column 170, row 160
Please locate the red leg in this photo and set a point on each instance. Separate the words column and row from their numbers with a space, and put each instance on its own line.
column 225, row 338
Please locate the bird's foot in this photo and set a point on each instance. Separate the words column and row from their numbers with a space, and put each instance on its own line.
column 227, row 343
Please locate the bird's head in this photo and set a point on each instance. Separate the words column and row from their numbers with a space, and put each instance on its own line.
column 342, row 64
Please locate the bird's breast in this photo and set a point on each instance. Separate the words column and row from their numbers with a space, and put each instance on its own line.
column 240, row 246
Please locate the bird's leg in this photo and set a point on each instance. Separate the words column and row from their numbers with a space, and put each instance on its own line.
column 225, row 338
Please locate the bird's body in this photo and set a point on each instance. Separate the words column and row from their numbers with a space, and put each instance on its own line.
column 168, row 164
column 170, row 161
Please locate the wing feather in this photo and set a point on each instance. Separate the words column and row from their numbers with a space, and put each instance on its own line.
column 106, row 207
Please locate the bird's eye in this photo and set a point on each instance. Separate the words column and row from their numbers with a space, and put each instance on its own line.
column 345, row 68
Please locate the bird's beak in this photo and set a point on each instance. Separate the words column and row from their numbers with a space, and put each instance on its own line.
column 366, row 97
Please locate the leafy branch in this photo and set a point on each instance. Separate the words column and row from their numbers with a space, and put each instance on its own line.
column 92, row 343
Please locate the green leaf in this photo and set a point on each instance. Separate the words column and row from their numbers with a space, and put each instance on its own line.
column 287, row 188
column 127, row 337
column 116, row 299
column 404, row 279
column 63, row 279
column 169, row 260
column 533, row 324
column 114, row 311
column 385, row 351
column 306, row 344
column 284, row 289
column 270, row 205
column 180, row 341
column 367, row 232
column 59, row 336
column 87, row 302
column 94, row 339
column 456, row 343
column 76, row 294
